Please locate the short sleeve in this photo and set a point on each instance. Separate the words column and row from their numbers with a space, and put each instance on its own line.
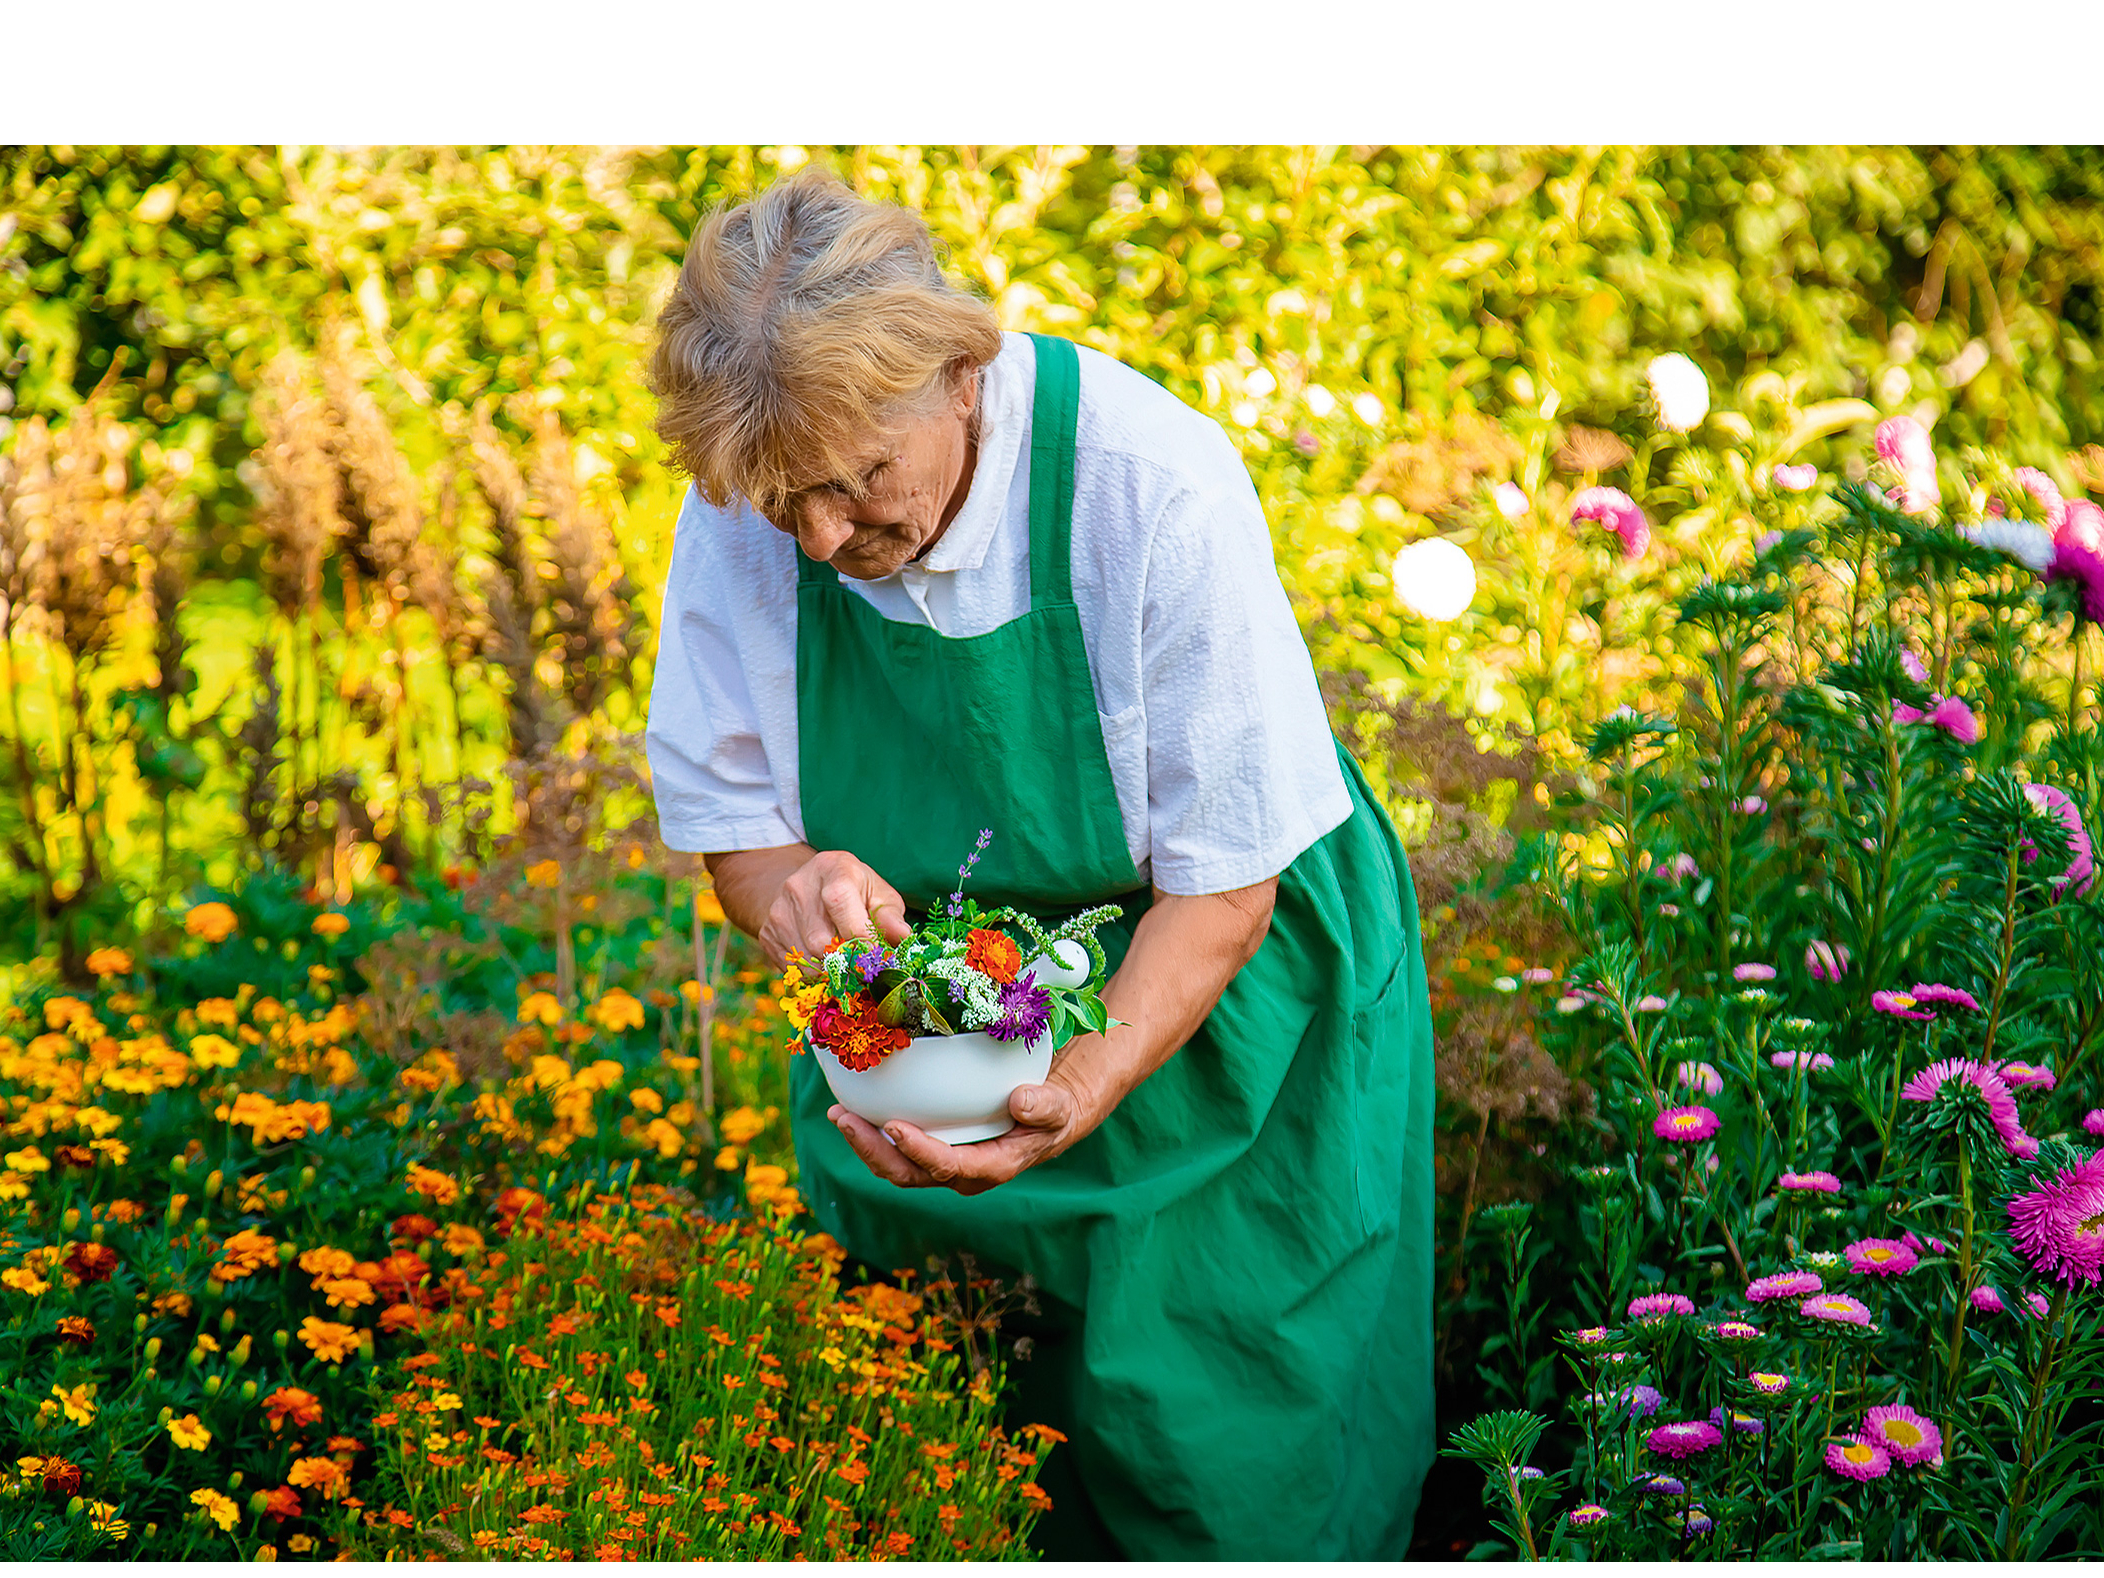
column 715, row 787
column 1242, row 773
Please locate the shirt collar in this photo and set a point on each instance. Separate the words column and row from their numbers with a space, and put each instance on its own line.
column 1004, row 422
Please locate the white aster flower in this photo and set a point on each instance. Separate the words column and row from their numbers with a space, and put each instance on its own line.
column 1679, row 390
column 2025, row 541
column 1435, row 578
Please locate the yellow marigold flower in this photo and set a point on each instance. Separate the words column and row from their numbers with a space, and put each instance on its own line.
column 618, row 1010
column 445, row 1402
column 109, row 961
column 666, row 1137
column 214, row 922
column 727, row 1159
column 330, row 1340
column 189, row 1433
column 102, row 1515
column 221, row 1011
column 214, row 1052
column 331, row 924
column 708, row 909
column 741, row 1124
column 433, row 1186
column 28, row 1160
column 222, row 1509
column 646, row 1100
column 540, row 1008
column 545, row 874
column 348, row 1292
column 323, row 1261
column 461, row 1239
column 66, row 1013
column 79, row 1402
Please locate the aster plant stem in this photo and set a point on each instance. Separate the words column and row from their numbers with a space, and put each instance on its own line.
column 2008, row 954
column 2028, row 1436
column 1965, row 1271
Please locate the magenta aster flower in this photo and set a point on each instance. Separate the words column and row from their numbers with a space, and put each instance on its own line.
column 1810, row 1183
column 1881, row 1257
column 2082, row 866
column 1856, row 1458
column 1956, row 719
column 1656, row 1305
column 1585, row 1513
column 2093, row 1123
column 1815, row 1061
column 1593, row 1335
column 1737, row 1330
column 2059, row 1224
column 1934, row 994
column 1768, row 1382
column 1684, row 1438
column 2072, row 561
column 1026, row 1011
column 1902, row 1432
column 2001, row 1104
column 1703, row 1076
column 1826, row 961
column 1745, row 1424
column 1987, row 1301
column 1783, row 1285
column 1900, row 1005
column 2083, row 526
column 2037, row 1305
column 1618, row 512
column 1838, row 1308
column 1934, row 1246
column 2019, row 1076
column 1753, row 972
column 1686, row 1125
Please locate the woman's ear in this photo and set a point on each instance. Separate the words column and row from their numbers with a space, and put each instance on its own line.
column 964, row 390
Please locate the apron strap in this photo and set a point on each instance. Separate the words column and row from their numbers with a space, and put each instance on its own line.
column 1052, row 416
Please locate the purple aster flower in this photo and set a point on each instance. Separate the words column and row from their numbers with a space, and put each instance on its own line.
column 1639, row 1402
column 2059, row 1224
column 1684, row 1438
column 1695, row 1521
column 1686, row 1125
column 1753, row 972
column 1987, row 1301
column 1856, row 1458
column 2037, row 1305
column 1661, row 1485
column 1881, row 1257
column 1814, row 1061
column 1826, row 961
column 1745, row 1424
column 1702, row 1076
column 1679, row 869
column 1768, row 1383
column 2018, row 1076
column 1657, row 1305
column 1026, row 1011
column 1809, row 1183
column 1531, row 1472
column 1783, row 1285
column 1588, row 1512
column 1838, row 1308
column 1907, row 1435
column 872, row 963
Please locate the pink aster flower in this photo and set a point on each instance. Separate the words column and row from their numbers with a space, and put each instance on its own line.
column 1686, row 1125
column 2019, row 1076
column 1585, row 1513
column 2072, row 561
column 1814, row 1061
column 1650, row 1003
column 1765, row 541
column 1901, row 1005
column 1934, row 995
column 1916, row 670
column 1809, row 1183
column 1617, row 511
column 1987, row 1301
column 1679, row 869
column 1881, row 1257
column 1903, row 443
column 2093, row 1123
column 1902, row 1432
column 1593, row 1334
column 2001, row 1104
column 1653, row 1306
column 2082, row 526
column 2059, row 1224
column 2081, row 869
column 1537, row 976
column 2044, row 489
column 1752, row 805
column 1795, row 479
column 1753, row 972
column 1702, row 1076
column 1856, row 1458
column 1839, row 1308
column 1783, row 1285
column 1955, row 719
column 1737, row 1330
column 1768, row 1383
column 2037, row 1305
column 1934, row 1246
column 1826, row 961
column 1684, row 1438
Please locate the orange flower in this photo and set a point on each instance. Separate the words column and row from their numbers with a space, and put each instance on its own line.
column 854, row 1034
column 331, row 924
column 433, row 1186
column 213, row 922
column 461, row 1239
column 348, row 1292
column 91, row 1262
column 109, row 961
column 76, row 1329
column 401, row 1317
column 290, row 1402
column 330, row 1340
column 321, row 1473
column 247, row 1252
column 542, row 1514
column 281, row 1503
column 993, row 954
column 618, row 1010
column 61, row 1477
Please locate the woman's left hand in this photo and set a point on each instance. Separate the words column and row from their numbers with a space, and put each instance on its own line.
column 1184, row 951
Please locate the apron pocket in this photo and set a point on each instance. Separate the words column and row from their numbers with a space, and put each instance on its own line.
column 1381, row 1099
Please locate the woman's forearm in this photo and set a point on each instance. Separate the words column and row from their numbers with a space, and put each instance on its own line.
column 1184, row 952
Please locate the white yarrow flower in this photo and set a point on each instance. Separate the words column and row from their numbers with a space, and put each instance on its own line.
column 1679, row 390
column 982, row 998
column 1435, row 578
column 2025, row 541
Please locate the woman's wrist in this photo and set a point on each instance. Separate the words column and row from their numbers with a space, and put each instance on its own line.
column 748, row 881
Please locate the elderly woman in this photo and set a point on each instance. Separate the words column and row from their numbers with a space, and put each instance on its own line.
column 931, row 578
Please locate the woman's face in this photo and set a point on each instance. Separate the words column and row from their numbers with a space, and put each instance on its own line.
column 904, row 487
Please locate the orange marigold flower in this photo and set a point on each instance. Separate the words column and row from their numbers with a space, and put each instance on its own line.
column 247, row 1252
column 433, row 1186
column 76, row 1329
column 348, row 1292
column 109, row 961
column 330, row 1340
column 461, row 1239
column 331, row 924
column 214, row 922
column 346, row 1444
column 325, row 1262
column 401, row 1317
column 324, row 1474
column 61, row 1476
column 282, row 1503
column 543, row 1514
column 290, row 1402
column 618, row 1010
column 993, row 954
column 415, row 1228
column 91, row 1262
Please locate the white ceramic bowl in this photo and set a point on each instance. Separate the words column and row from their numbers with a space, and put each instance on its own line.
column 954, row 1088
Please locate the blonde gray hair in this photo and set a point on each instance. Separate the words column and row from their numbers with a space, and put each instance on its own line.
column 804, row 321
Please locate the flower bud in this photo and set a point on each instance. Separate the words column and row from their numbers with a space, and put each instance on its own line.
column 212, row 1386
column 153, row 1344
column 214, row 1180
column 139, row 1323
column 166, row 1414
column 71, row 1219
column 239, row 1356
column 258, row 1504
column 286, row 1251
column 248, row 1391
column 197, row 1355
column 307, row 1177
column 149, row 1374
column 179, row 1165
column 233, row 1480
column 281, row 1337
column 365, row 1345
column 226, row 1322
column 201, row 1226
column 74, row 1507
column 95, row 1233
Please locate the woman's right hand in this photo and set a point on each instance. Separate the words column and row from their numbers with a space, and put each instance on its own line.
column 802, row 899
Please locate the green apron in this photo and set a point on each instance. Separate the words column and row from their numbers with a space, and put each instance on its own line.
column 1243, row 1249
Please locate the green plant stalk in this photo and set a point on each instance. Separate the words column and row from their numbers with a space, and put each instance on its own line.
column 2028, row 1435
column 1965, row 1270
column 2008, row 955
column 1519, row 1512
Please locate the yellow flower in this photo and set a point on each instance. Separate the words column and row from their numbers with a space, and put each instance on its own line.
column 79, row 1403
column 330, row 1340
column 445, row 1401
column 189, row 1434
column 708, row 909
column 214, row 1052
column 222, row 1509
column 666, row 1137
column 541, row 1007
column 618, row 1010
column 109, row 961
column 727, row 1159
column 741, row 1124
column 102, row 1515
column 213, row 922
column 28, row 1160
column 646, row 1100
column 221, row 1011
column 331, row 924
column 545, row 874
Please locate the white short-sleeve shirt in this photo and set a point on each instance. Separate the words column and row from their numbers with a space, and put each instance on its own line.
column 1219, row 748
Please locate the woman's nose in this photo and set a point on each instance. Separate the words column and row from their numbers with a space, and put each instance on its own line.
column 822, row 533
